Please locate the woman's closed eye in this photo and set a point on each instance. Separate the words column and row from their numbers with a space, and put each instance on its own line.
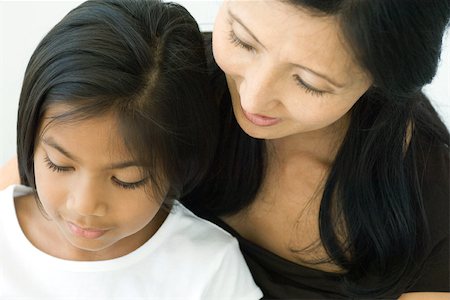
column 238, row 42
column 307, row 87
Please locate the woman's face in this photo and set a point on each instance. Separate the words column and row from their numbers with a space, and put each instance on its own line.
column 288, row 71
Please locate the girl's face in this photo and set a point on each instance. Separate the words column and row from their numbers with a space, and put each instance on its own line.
column 288, row 71
column 95, row 195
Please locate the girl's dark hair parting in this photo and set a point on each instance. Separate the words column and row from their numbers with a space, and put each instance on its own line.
column 374, row 189
column 144, row 62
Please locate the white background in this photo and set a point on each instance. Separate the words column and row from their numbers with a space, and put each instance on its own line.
column 24, row 24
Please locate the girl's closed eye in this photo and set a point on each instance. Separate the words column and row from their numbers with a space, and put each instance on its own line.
column 129, row 185
column 54, row 167
column 120, row 183
column 131, row 177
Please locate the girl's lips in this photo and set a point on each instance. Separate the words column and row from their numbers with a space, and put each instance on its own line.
column 260, row 120
column 88, row 233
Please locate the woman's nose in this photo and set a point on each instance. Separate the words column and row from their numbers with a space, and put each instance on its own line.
column 259, row 90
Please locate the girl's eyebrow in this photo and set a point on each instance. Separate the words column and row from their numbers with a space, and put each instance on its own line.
column 124, row 165
column 52, row 143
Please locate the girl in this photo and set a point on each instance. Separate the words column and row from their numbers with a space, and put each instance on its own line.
column 111, row 129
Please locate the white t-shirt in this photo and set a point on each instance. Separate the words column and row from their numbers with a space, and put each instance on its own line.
column 187, row 258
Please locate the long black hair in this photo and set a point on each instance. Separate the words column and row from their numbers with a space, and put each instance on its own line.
column 374, row 184
column 142, row 60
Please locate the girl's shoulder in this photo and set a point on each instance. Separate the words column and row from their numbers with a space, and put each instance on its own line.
column 8, row 196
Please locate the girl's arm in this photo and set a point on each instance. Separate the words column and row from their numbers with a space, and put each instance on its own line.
column 9, row 173
column 425, row 296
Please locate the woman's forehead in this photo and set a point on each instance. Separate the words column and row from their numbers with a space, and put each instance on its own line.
column 298, row 36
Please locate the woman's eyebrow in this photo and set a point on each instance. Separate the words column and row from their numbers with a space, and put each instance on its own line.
column 237, row 19
column 333, row 82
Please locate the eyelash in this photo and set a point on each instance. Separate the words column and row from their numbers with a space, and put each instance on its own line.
column 117, row 182
column 54, row 167
column 307, row 88
column 237, row 42
column 129, row 186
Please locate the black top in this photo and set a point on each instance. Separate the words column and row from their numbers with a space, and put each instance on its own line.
column 280, row 278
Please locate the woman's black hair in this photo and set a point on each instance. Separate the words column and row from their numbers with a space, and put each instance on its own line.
column 375, row 181
column 143, row 61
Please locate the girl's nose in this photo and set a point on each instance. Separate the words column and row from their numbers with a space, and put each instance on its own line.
column 87, row 199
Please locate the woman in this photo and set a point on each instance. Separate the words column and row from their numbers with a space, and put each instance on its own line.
column 336, row 180
column 333, row 168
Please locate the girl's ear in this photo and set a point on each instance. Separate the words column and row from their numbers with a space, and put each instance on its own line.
column 9, row 173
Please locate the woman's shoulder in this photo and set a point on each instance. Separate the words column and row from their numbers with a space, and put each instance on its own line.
column 433, row 160
column 433, row 166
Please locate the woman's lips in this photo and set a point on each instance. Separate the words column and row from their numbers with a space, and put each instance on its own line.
column 261, row 120
column 88, row 233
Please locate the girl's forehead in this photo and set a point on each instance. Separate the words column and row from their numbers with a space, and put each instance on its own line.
column 94, row 141
column 100, row 130
column 67, row 114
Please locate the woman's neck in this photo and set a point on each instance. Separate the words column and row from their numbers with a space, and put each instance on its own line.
column 321, row 145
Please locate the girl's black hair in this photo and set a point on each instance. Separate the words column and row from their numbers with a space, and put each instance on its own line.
column 375, row 180
column 142, row 60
